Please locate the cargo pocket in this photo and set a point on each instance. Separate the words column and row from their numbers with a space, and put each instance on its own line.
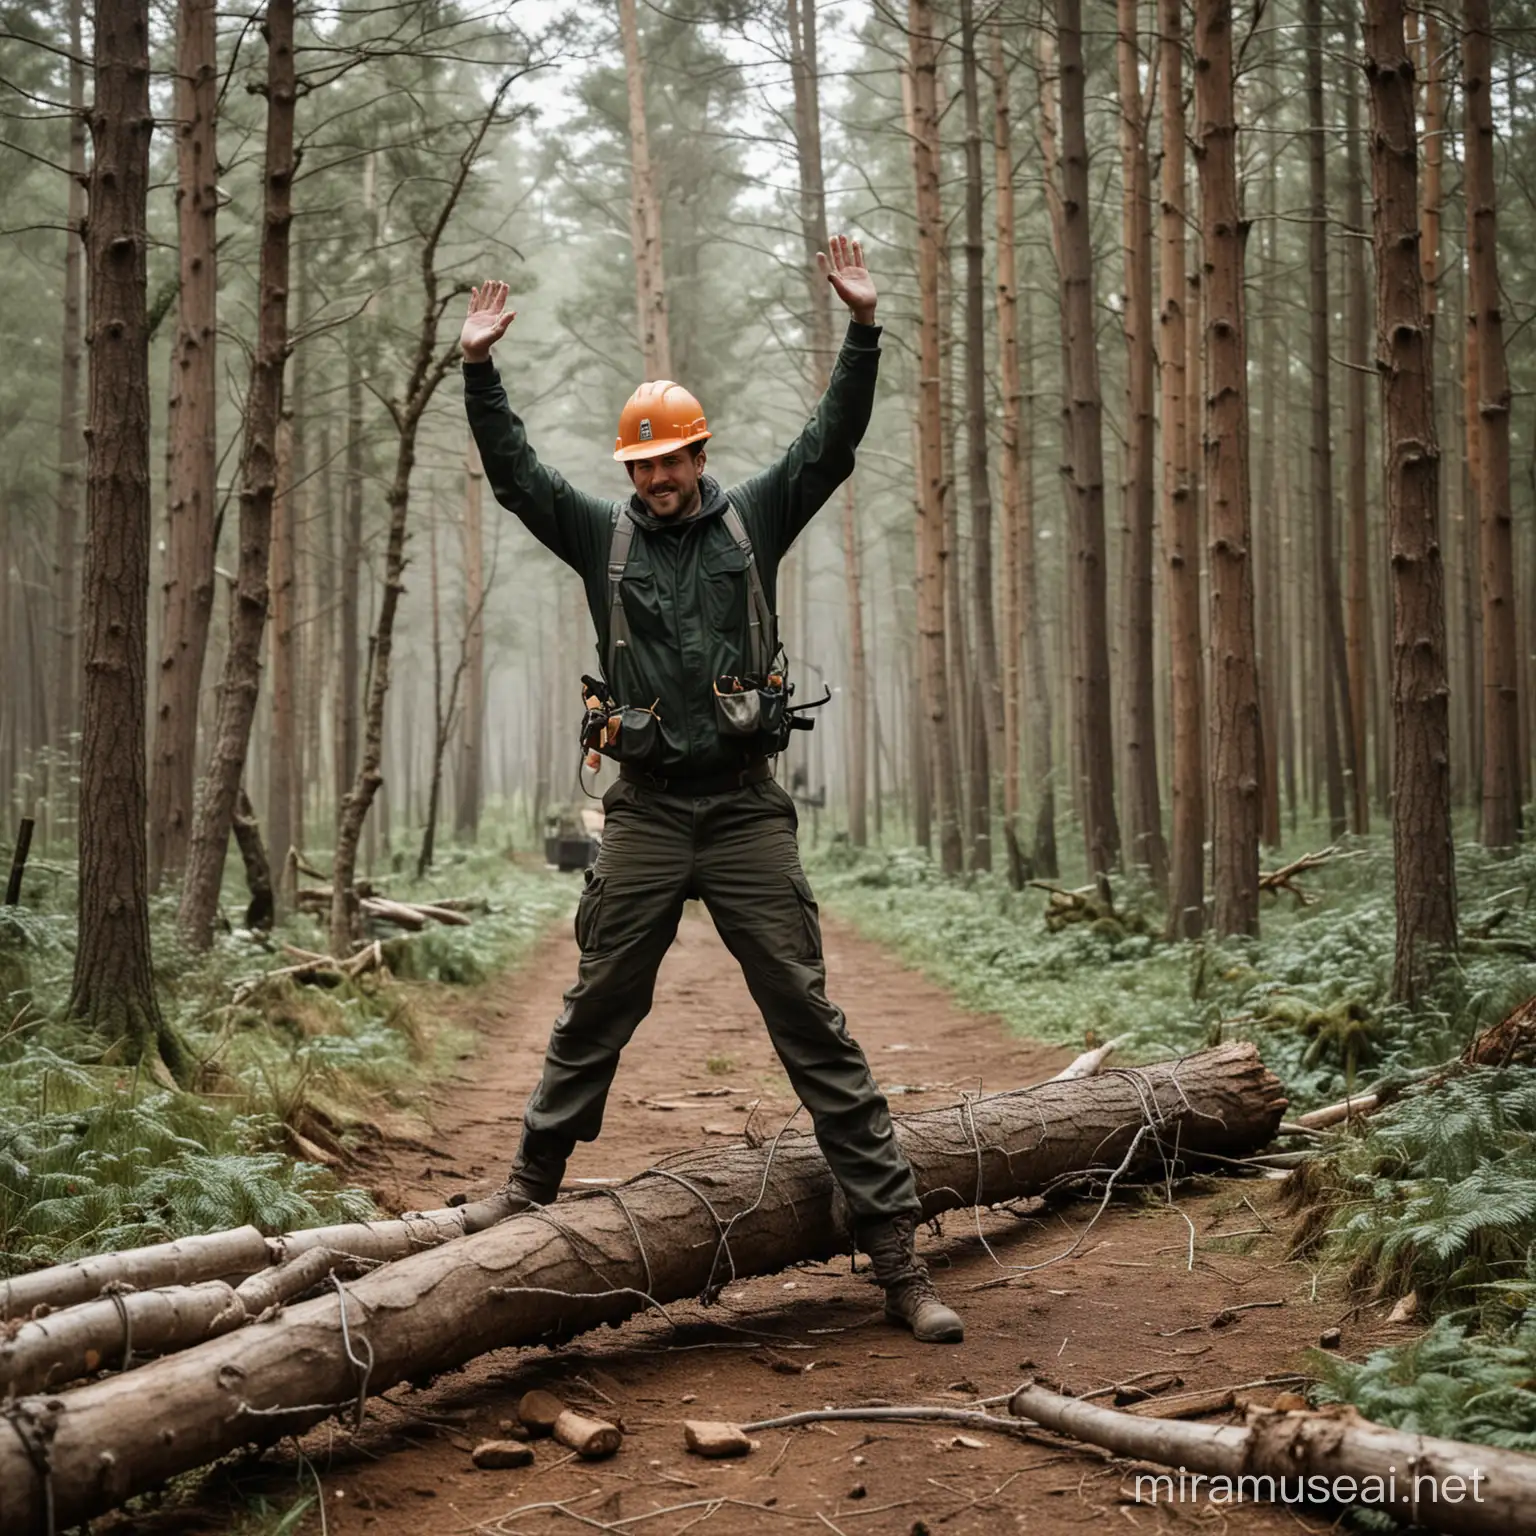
column 589, row 914
column 725, row 591
column 810, row 919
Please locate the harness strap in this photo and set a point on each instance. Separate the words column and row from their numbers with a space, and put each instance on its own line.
column 618, row 558
column 763, row 640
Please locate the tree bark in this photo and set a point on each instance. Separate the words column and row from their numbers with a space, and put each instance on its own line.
column 1358, row 328
column 71, row 433
column 191, row 432
column 1338, row 731
column 858, row 678
column 527, row 1279
column 113, row 988
column 937, row 706
column 644, row 213
column 1014, row 468
column 1489, row 384
column 258, row 485
column 1181, row 523
column 1234, row 694
column 987, row 729
column 469, row 784
column 1421, row 803
column 1143, row 810
column 1101, row 829
column 283, row 779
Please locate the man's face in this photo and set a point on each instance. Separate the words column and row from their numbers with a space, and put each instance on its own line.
column 669, row 483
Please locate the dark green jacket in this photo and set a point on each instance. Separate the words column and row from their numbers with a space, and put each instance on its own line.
column 685, row 586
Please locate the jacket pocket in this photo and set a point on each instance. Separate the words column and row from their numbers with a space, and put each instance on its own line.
column 641, row 595
column 725, row 593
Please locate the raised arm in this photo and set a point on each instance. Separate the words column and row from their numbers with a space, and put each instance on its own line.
column 568, row 522
column 788, row 494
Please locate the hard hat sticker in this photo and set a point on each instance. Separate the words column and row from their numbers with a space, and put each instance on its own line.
column 645, row 429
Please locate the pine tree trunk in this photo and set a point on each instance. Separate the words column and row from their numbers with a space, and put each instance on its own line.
column 1101, row 829
column 944, row 778
column 469, row 784
column 258, row 484
column 113, row 989
column 1421, row 802
column 1143, row 810
column 987, row 728
column 1358, row 327
column 191, row 491
column 1488, row 384
column 348, row 698
column 1267, row 508
column 282, row 745
column 1013, row 468
column 1181, row 524
column 1235, row 765
column 644, row 213
column 71, row 428
column 1338, row 732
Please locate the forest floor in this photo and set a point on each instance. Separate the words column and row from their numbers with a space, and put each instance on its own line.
column 1140, row 1296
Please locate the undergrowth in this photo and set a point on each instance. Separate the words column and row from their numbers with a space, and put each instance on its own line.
column 1436, row 1195
column 96, row 1157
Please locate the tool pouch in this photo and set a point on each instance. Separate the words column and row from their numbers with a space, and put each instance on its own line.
column 638, row 738
column 745, row 712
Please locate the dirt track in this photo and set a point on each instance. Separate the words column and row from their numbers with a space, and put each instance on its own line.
column 1127, row 1303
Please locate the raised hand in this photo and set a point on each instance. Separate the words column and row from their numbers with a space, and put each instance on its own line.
column 845, row 270
column 487, row 321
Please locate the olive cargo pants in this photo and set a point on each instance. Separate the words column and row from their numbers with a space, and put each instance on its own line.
column 737, row 852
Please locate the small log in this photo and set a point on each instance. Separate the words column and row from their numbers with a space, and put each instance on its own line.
column 501, row 1455
column 43, row 1355
column 233, row 1256
column 537, row 1412
column 396, row 912
column 1193, row 1405
column 591, row 1439
column 1336, row 1114
column 715, row 1441
column 1275, row 1449
column 450, row 917
column 529, row 1280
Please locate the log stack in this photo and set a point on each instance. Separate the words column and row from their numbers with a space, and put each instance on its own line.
column 711, row 1218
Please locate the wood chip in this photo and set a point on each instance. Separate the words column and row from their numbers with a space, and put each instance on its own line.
column 714, row 1440
column 499, row 1455
column 538, row 1410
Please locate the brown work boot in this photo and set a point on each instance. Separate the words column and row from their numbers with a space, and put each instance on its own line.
column 910, row 1298
column 531, row 1185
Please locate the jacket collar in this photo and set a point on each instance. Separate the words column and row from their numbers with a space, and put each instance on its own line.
column 712, row 503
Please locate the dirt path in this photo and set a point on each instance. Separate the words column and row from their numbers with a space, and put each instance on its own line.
column 1138, row 1298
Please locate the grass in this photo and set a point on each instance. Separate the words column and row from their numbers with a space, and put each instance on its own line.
column 95, row 1157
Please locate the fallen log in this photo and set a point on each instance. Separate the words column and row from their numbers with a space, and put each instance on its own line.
column 1414, row 1477
column 708, row 1219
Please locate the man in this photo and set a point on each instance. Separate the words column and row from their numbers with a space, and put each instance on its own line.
column 680, row 581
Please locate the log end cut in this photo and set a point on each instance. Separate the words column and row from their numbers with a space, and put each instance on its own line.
column 591, row 1439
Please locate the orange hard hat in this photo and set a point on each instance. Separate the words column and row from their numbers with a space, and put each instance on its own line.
column 659, row 417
